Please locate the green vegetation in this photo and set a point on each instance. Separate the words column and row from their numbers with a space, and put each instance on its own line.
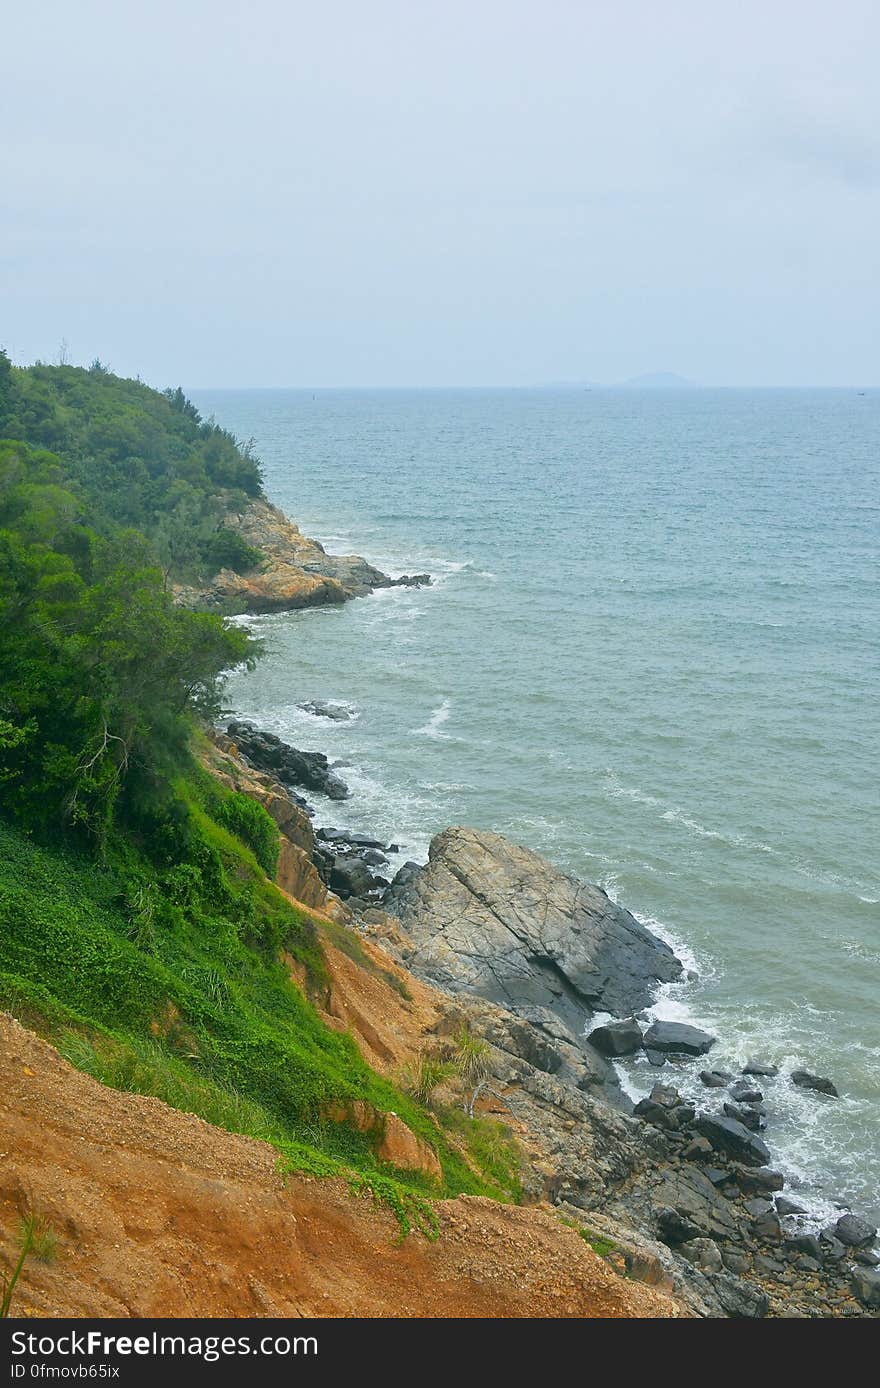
column 137, row 458
column 35, row 1237
column 139, row 927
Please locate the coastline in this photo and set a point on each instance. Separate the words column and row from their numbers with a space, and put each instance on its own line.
column 796, row 1226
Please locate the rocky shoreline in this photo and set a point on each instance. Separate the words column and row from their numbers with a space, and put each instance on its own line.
column 294, row 571
column 681, row 1184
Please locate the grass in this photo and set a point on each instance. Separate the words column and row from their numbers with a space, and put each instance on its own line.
column 169, row 982
column 35, row 1237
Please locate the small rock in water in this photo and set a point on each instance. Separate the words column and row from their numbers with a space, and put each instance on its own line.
column 855, row 1232
column 751, row 1118
column 743, row 1092
column 804, row 1080
column 715, row 1079
column 656, row 1058
column 677, row 1037
column 756, row 1066
column 322, row 708
column 617, row 1038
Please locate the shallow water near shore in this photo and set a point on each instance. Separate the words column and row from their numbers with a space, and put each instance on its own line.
column 651, row 652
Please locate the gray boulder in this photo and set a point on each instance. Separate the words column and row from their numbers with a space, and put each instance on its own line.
column 491, row 918
column 617, row 1038
column 855, row 1232
column 804, row 1080
column 727, row 1135
column 865, row 1284
column 677, row 1038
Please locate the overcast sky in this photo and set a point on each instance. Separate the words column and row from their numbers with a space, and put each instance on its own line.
column 440, row 193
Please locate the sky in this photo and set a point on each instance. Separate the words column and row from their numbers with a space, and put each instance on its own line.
column 496, row 192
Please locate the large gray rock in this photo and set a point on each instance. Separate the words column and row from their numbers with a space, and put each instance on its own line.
column 726, row 1135
column 491, row 918
column 677, row 1038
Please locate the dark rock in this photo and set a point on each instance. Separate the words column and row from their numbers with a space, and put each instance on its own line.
column 749, row 1117
column 407, row 581
column 322, row 708
column 267, row 752
column 494, row 919
column 744, row 1092
column 768, row 1267
column 807, row 1264
column 758, row 1206
column 715, row 1079
column 855, row 1232
column 866, row 1257
column 656, row 1058
column 833, row 1251
column 677, row 1037
column 865, row 1285
column 715, row 1173
column 735, row 1261
column 784, row 1206
column 691, row 1197
column 767, row 1226
column 373, row 857
column 666, row 1095
column 757, row 1180
column 804, row 1080
column 696, row 1149
column 675, row 1229
column 617, row 1038
column 350, row 877
column 727, row 1135
column 754, row 1066
column 805, row 1243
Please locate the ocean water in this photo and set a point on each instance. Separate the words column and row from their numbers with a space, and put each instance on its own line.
column 651, row 652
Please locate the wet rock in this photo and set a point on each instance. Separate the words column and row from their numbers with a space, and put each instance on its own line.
column 267, row 752
column 758, row 1206
column 806, row 1243
column 677, row 1037
column 750, row 1118
column 767, row 1226
column 715, row 1079
column 656, row 1058
column 865, row 1286
column 804, row 1080
column 617, row 1038
column 727, row 1135
column 743, row 1092
column 854, row 1231
column 407, row 581
column 373, row 858
column 867, row 1258
column 324, row 708
column 756, row 1066
column 694, row 1200
column 785, row 1206
column 494, row 919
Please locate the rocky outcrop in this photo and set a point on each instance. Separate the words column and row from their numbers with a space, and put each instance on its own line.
column 489, row 917
column 294, row 571
column 267, row 752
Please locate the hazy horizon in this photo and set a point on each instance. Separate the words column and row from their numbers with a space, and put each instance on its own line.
column 496, row 196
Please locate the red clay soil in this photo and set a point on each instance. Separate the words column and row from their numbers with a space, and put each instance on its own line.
column 159, row 1214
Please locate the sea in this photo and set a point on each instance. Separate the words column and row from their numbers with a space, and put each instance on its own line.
column 651, row 652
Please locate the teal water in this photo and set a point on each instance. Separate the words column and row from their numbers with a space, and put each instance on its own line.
column 651, row 653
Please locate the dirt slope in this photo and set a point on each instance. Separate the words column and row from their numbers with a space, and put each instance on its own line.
column 160, row 1214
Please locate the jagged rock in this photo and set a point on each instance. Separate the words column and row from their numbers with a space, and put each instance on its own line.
column 727, row 1135
column 865, row 1284
column 735, row 1261
column 854, row 1231
column 697, row 1149
column 491, row 918
column 296, row 874
column 617, row 1038
column 745, row 1093
column 656, row 1058
column 804, row 1080
column 805, row 1243
column 755, row 1066
column 867, row 1257
column 767, row 1226
column 677, row 1037
column 292, row 767
column 698, row 1208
